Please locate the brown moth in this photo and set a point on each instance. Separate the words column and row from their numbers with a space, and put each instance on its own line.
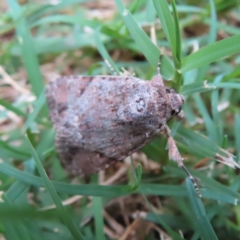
column 100, row 120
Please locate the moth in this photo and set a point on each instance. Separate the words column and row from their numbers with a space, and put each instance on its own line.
column 100, row 120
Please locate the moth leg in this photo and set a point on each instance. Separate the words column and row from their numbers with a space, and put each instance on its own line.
column 174, row 154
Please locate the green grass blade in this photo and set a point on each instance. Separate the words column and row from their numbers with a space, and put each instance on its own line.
column 83, row 189
column 167, row 22
column 146, row 46
column 13, row 152
column 213, row 23
column 17, row 224
column 27, row 49
column 216, row 190
column 202, row 225
column 98, row 218
column 12, row 108
column 61, row 209
column 178, row 40
column 102, row 50
column 218, row 50
column 206, row 117
column 150, row 12
column 10, row 231
column 200, row 87
column 38, row 105
column 173, row 234
column 18, row 187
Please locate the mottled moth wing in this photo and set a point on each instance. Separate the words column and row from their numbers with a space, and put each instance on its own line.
column 102, row 119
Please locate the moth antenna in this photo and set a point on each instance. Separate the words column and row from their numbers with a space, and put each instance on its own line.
column 159, row 65
column 174, row 154
column 191, row 178
column 110, row 67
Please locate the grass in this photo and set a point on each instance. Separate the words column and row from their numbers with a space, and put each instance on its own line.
column 198, row 42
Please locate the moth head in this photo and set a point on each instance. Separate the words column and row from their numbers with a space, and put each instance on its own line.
column 175, row 101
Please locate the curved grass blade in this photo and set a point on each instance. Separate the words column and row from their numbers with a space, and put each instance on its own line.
column 60, row 208
column 147, row 47
column 102, row 50
column 149, row 50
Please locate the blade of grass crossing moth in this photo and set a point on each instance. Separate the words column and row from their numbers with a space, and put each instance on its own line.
column 147, row 47
column 202, row 225
column 218, row 50
column 102, row 50
column 60, row 208
column 98, row 218
column 27, row 48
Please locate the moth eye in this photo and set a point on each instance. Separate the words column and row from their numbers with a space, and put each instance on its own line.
column 173, row 112
column 176, row 112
